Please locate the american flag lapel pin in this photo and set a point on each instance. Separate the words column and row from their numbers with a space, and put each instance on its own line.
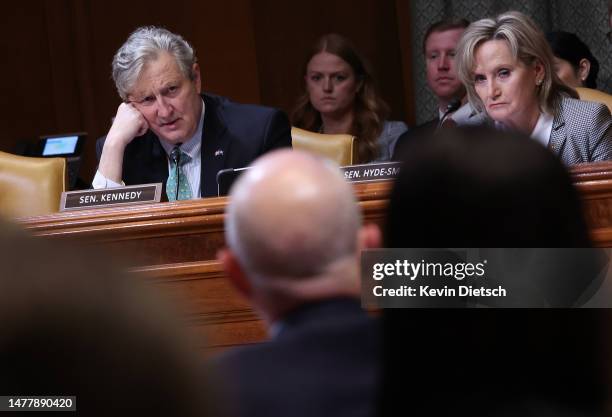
column 218, row 152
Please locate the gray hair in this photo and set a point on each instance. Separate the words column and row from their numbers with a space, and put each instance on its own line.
column 144, row 45
column 527, row 45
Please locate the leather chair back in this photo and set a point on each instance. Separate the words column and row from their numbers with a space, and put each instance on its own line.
column 30, row 186
column 589, row 94
column 341, row 149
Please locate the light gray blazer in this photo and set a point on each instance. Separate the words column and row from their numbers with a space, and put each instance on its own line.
column 387, row 140
column 582, row 132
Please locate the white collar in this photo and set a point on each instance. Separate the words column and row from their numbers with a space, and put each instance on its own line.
column 543, row 128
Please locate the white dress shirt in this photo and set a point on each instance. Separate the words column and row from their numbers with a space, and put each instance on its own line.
column 542, row 130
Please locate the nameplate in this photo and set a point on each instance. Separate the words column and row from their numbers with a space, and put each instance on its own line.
column 110, row 197
column 371, row 172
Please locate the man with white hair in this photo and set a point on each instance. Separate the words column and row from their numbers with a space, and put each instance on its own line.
column 294, row 238
column 167, row 130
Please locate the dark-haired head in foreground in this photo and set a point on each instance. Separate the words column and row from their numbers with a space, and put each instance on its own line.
column 477, row 187
column 482, row 188
column 71, row 325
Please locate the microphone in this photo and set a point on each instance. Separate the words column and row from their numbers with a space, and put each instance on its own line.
column 452, row 106
column 175, row 156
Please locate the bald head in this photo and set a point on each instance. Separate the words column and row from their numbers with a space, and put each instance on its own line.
column 291, row 215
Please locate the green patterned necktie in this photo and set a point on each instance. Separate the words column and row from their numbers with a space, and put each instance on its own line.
column 177, row 186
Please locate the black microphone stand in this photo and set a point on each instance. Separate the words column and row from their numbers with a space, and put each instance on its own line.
column 175, row 156
column 452, row 106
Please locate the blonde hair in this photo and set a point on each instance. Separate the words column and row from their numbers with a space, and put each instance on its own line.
column 527, row 44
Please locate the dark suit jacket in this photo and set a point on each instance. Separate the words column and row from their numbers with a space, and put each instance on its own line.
column 421, row 131
column 233, row 135
column 324, row 362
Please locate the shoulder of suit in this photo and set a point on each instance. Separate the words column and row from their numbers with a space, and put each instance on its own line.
column 394, row 127
column 428, row 124
column 582, row 117
column 569, row 104
column 226, row 104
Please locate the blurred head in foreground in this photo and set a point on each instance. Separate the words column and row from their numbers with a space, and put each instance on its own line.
column 294, row 233
column 479, row 188
column 72, row 325
column 294, row 236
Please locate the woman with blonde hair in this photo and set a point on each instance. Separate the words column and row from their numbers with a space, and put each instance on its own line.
column 506, row 65
column 340, row 97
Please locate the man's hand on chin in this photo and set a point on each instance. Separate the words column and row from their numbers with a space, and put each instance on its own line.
column 128, row 124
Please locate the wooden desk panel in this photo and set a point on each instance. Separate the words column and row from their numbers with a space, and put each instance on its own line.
column 174, row 246
column 594, row 183
column 209, row 303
